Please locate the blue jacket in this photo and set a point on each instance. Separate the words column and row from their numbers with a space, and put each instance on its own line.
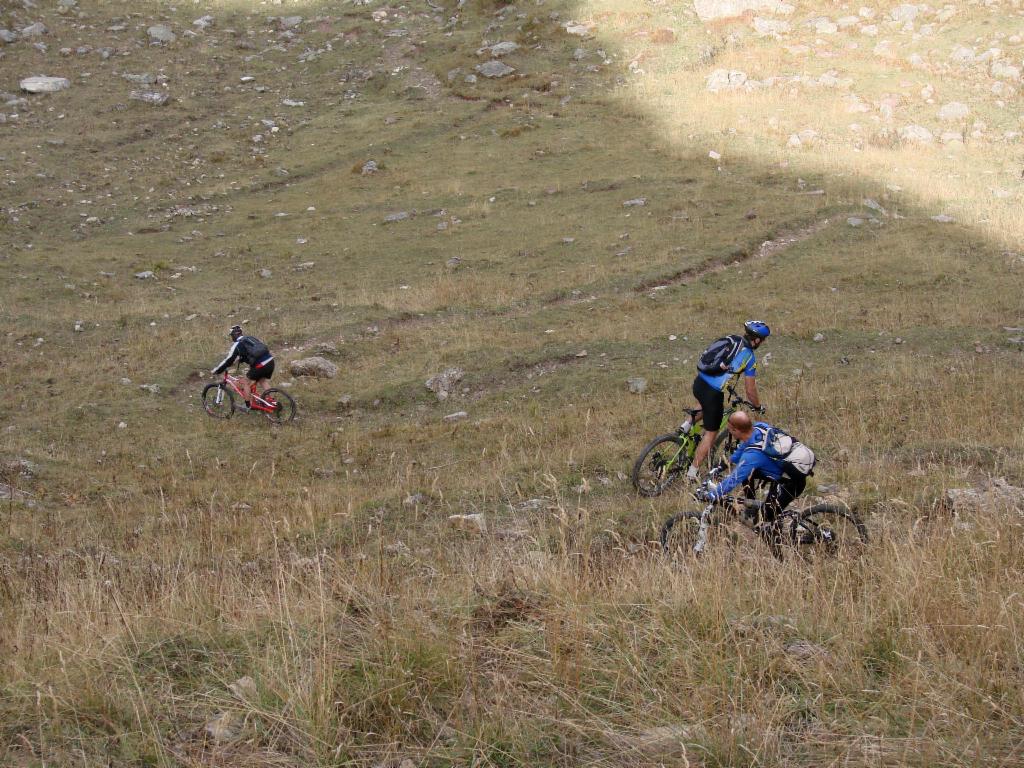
column 748, row 458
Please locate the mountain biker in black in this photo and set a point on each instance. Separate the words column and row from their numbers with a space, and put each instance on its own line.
column 250, row 350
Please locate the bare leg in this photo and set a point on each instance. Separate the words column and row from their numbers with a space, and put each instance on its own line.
column 704, row 448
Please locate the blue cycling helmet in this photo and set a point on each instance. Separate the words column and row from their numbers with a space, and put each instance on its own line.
column 757, row 328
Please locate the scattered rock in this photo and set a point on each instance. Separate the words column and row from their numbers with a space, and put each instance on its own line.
column 265, row 273
column 7, row 36
column 293, row 103
column 805, row 650
column 494, row 69
column 21, row 467
column 580, row 30
column 369, row 168
column 288, row 22
column 996, row 492
column 635, row 202
column 855, row 221
column 916, row 134
column 304, row 266
column 499, row 49
column 34, row 30
column 156, row 98
column 222, row 727
column 954, row 111
column 457, row 416
column 770, row 27
column 161, row 33
column 415, row 500
column 819, row 337
column 475, row 523
column 716, row 156
column 345, row 402
column 144, row 79
column 726, row 80
column 443, row 383
column 943, row 218
column 146, row 275
column 153, row 389
column 710, row 10
column 391, row 218
column 203, row 22
column 904, row 13
column 637, row 385
column 44, row 84
column 244, row 689
column 1005, row 71
column 317, row 367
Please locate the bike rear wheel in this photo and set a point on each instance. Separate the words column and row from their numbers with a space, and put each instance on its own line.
column 660, row 463
column 829, row 530
column 284, row 410
column 218, row 401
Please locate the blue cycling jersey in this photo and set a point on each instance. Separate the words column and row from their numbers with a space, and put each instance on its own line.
column 744, row 363
column 748, row 458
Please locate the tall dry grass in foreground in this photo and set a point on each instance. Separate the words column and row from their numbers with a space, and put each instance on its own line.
column 557, row 647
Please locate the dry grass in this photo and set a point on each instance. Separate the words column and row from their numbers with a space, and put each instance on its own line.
column 146, row 570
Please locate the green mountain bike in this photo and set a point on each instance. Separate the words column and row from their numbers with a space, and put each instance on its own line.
column 667, row 457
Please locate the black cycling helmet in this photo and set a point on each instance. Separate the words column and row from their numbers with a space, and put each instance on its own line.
column 757, row 328
column 235, row 333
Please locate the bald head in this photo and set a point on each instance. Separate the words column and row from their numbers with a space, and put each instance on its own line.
column 741, row 424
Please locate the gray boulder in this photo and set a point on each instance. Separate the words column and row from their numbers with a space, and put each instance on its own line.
column 904, row 13
column 156, row 98
column 161, row 33
column 34, row 30
column 443, row 383
column 954, row 112
column 44, row 84
column 6, row 36
column 637, row 385
column 317, row 367
column 916, row 134
column 726, row 80
column 494, row 69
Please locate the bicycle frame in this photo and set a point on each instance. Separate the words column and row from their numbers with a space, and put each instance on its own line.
column 690, row 439
column 738, row 506
column 256, row 402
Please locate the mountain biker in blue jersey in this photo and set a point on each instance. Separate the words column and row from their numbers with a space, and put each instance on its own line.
column 253, row 352
column 756, row 455
column 709, row 386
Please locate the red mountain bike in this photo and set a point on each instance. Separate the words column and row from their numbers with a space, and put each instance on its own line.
column 219, row 400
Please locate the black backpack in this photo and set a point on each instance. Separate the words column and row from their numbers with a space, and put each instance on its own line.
column 716, row 359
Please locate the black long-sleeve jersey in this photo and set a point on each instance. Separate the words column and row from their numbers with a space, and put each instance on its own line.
column 249, row 350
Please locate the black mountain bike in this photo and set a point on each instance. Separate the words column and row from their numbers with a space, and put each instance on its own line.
column 828, row 529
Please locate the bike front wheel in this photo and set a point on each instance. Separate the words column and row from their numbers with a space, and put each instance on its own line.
column 681, row 533
column 830, row 530
column 660, row 463
column 284, row 408
column 218, row 401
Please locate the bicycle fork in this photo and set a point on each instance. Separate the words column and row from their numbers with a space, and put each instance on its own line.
column 702, row 530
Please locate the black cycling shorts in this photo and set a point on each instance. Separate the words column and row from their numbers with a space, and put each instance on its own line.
column 712, row 401
column 255, row 374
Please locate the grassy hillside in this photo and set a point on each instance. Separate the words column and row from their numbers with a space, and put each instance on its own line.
column 179, row 591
